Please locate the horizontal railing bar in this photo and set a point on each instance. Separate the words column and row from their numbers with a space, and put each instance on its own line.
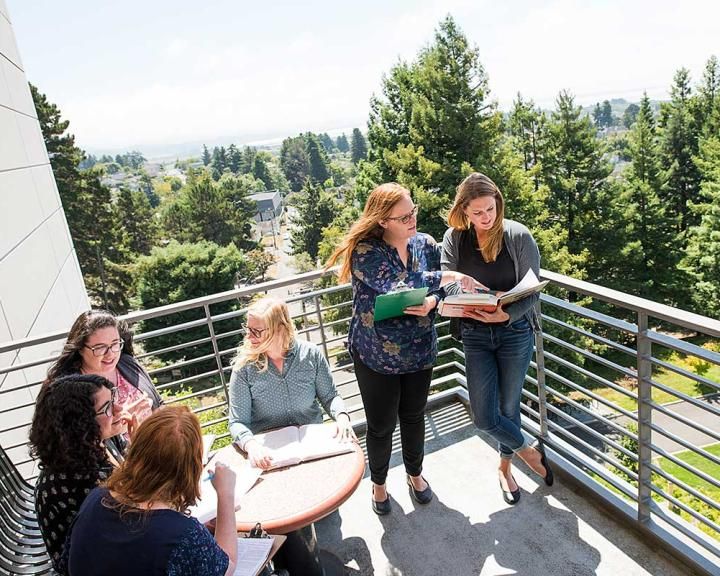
column 30, row 364
column 192, row 395
column 689, row 399
column 675, row 316
column 686, row 373
column 182, row 363
column 610, row 321
column 689, row 467
column 684, row 347
column 679, row 483
column 161, row 351
column 591, row 335
column 188, row 379
column 684, row 527
column 684, row 443
column 589, row 355
column 680, row 418
column 709, row 523
column 585, row 372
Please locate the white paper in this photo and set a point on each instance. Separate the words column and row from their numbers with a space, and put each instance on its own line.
column 206, row 508
column 207, row 441
column 252, row 555
column 293, row 444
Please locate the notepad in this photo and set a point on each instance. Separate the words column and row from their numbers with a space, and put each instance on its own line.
column 252, row 555
column 393, row 304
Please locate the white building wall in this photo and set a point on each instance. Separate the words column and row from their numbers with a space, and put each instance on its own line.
column 41, row 286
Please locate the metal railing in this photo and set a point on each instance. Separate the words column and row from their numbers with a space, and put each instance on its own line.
column 622, row 388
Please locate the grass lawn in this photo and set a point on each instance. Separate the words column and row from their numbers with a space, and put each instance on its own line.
column 697, row 461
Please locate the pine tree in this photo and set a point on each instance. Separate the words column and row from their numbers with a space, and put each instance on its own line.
column 319, row 164
column 358, row 147
column 679, row 146
column 702, row 260
column 89, row 211
column 316, row 210
column 327, row 142
column 574, row 169
column 140, row 229
column 708, row 99
column 526, row 125
column 342, row 143
column 294, row 162
column 205, row 156
column 234, row 158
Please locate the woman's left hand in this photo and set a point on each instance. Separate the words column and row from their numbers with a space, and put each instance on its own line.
column 496, row 316
column 343, row 428
column 427, row 306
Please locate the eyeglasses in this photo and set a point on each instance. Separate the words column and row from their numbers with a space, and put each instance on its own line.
column 405, row 219
column 255, row 332
column 106, row 409
column 102, row 349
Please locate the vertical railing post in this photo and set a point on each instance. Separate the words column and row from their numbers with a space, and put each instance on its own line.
column 316, row 299
column 216, row 350
column 644, row 374
column 540, row 372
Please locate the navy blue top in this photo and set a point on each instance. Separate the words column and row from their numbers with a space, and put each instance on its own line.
column 397, row 345
column 104, row 542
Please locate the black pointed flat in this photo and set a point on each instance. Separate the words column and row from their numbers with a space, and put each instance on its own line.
column 549, row 476
column 381, row 508
column 420, row 496
column 510, row 496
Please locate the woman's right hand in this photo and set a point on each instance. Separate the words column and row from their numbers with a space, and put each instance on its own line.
column 259, row 456
column 467, row 283
column 223, row 480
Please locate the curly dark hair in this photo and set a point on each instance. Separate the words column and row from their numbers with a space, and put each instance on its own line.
column 88, row 322
column 65, row 435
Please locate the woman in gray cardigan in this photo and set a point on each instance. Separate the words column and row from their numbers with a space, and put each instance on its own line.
column 498, row 345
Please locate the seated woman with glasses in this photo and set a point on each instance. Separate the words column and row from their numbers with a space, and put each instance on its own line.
column 279, row 380
column 137, row 523
column 73, row 419
column 99, row 343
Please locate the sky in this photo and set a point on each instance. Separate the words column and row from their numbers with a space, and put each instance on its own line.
column 138, row 74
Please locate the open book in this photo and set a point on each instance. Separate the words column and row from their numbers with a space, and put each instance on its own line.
column 456, row 305
column 294, row 444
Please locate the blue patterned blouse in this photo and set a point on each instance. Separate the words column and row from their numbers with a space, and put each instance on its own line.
column 397, row 345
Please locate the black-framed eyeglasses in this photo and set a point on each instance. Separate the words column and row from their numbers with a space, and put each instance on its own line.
column 106, row 409
column 405, row 219
column 255, row 332
column 102, row 349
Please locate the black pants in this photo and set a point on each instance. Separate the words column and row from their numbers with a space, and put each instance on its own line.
column 388, row 397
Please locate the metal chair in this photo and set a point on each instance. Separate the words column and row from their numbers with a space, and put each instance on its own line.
column 22, row 550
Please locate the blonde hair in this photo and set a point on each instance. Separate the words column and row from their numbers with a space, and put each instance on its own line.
column 378, row 207
column 477, row 185
column 276, row 316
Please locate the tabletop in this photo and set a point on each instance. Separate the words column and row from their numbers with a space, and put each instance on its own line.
column 291, row 498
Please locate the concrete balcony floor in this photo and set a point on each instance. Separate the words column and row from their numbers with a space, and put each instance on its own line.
column 469, row 529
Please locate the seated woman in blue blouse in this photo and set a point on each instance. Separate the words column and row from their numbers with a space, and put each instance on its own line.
column 279, row 380
column 138, row 523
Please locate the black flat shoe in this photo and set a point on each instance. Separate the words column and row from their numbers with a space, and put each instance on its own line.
column 420, row 496
column 381, row 508
column 510, row 496
column 549, row 477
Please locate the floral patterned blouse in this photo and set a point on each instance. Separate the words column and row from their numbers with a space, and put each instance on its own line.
column 397, row 345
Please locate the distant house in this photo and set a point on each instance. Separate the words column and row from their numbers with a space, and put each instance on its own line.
column 269, row 210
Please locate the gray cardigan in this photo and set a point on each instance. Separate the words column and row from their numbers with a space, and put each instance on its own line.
column 523, row 252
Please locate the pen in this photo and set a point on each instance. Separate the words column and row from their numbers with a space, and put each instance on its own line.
column 210, row 474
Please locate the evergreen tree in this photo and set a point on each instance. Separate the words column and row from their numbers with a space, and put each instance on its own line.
column 679, row 146
column 342, row 143
column 436, row 107
column 327, row 142
column 234, row 159
column 526, row 125
column 205, row 156
column 294, row 162
column 261, row 169
column 90, row 213
column 317, row 158
column 316, row 209
column 247, row 163
column 140, row 229
column 708, row 97
column 358, row 147
column 574, row 169
column 702, row 260
column 651, row 254
column 630, row 115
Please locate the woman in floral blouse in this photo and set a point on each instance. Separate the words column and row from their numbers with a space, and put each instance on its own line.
column 393, row 358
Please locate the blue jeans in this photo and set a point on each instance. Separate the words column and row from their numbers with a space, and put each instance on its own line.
column 496, row 361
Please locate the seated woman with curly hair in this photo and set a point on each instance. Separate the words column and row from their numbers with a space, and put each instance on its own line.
column 138, row 523
column 73, row 419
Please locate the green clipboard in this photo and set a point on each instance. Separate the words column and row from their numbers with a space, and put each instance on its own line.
column 392, row 304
